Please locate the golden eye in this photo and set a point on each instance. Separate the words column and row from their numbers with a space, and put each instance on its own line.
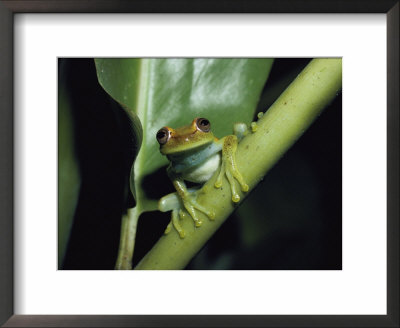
column 163, row 136
column 203, row 124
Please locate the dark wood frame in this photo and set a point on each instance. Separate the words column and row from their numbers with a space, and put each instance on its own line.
column 7, row 10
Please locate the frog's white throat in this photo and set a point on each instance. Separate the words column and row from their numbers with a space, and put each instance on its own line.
column 204, row 171
column 184, row 161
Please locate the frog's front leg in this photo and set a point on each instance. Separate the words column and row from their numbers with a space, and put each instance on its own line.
column 173, row 202
column 229, row 168
column 189, row 199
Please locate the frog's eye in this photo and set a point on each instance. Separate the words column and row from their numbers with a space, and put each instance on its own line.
column 162, row 136
column 203, row 124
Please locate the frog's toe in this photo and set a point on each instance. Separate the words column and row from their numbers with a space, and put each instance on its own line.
column 192, row 211
column 177, row 225
column 243, row 185
column 235, row 198
column 218, row 182
column 196, row 206
column 211, row 215
column 197, row 221
column 168, row 228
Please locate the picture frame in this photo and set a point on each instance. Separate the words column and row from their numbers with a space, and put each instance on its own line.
column 9, row 8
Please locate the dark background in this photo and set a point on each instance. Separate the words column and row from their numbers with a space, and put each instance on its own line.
column 291, row 221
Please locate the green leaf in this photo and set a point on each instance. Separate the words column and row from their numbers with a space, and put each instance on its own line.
column 174, row 91
column 68, row 173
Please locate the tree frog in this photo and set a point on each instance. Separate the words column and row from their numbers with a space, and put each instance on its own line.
column 195, row 154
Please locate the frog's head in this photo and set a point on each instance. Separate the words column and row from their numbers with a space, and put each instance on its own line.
column 186, row 138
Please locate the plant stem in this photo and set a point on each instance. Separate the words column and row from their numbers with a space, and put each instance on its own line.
column 127, row 239
column 279, row 128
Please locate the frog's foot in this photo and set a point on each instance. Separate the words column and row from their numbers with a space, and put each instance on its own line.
column 175, row 222
column 174, row 203
column 229, row 168
column 191, row 205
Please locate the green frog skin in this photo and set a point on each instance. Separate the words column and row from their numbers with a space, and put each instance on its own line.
column 195, row 154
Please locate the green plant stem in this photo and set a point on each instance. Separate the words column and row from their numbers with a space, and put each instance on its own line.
column 127, row 239
column 279, row 128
